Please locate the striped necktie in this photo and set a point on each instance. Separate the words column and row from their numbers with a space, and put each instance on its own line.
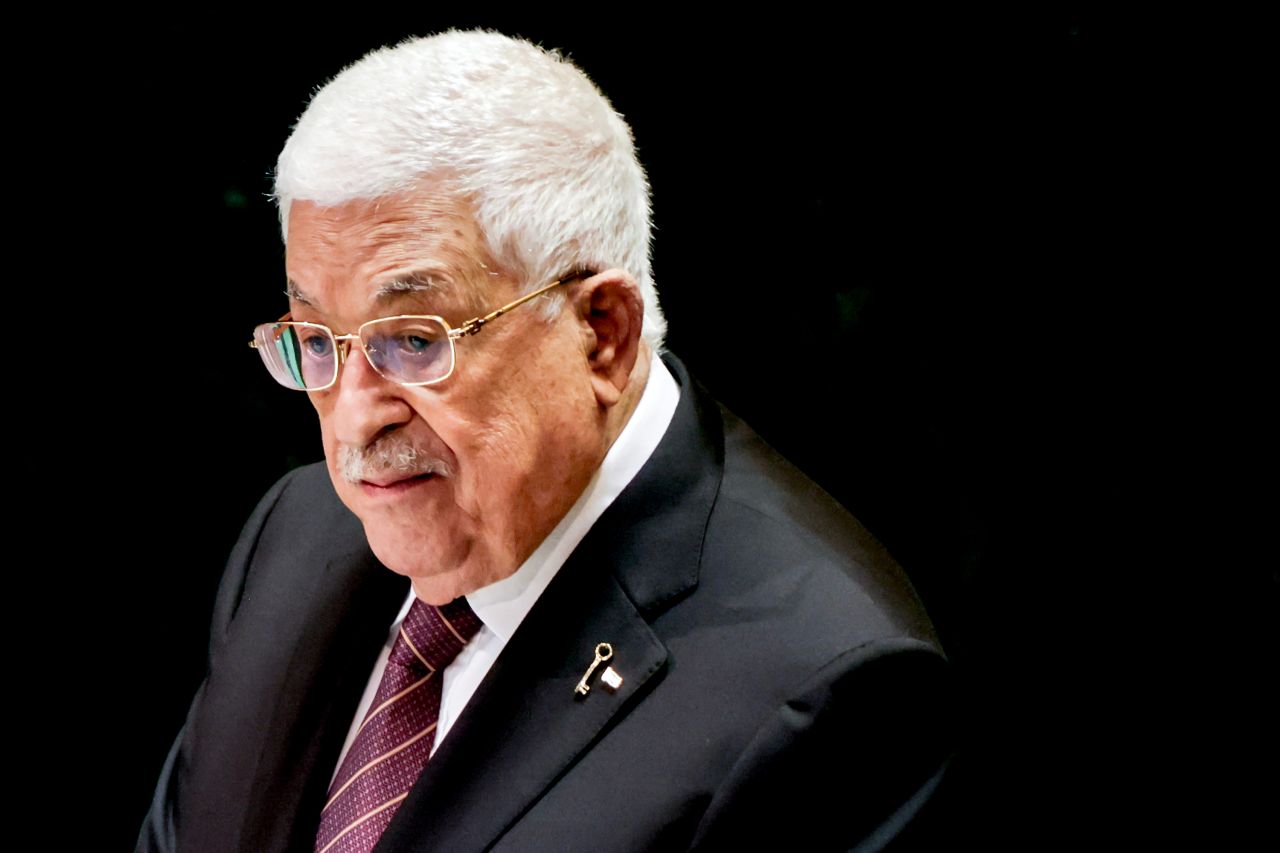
column 395, row 738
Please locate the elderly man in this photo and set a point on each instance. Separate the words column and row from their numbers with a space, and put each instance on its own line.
column 544, row 594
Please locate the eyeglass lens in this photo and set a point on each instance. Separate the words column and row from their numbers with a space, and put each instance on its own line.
column 409, row 350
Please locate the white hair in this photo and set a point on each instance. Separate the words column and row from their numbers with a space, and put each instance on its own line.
column 390, row 453
column 547, row 164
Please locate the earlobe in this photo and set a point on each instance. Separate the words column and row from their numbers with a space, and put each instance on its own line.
column 611, row 307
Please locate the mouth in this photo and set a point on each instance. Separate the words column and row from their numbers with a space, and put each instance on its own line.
column 393, row 485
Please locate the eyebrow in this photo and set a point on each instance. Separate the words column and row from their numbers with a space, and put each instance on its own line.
column 416, row 281
column 412, row 282
column 295, row 293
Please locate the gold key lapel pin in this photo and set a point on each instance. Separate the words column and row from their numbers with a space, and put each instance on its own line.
column 610, row 676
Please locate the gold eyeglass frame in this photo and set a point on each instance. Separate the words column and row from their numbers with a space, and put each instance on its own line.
column 470, row 327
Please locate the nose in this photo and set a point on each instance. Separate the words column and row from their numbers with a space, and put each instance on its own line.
column 365, row 405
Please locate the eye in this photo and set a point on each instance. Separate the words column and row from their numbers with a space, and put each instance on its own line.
column 413, row 339
column 407, row 349
column 412, row 344
column 315, row 343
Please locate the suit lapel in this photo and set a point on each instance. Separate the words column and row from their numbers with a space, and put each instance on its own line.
column 525, row 726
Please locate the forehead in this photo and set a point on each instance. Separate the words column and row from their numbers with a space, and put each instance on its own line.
column 363, row 250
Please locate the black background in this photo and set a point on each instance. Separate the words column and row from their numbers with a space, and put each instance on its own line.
column 934, row 221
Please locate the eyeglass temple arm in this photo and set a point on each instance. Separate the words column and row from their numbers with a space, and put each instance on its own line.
column 475, row 324
column 254, row 343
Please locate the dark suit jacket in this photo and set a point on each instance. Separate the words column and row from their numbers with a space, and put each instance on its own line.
column 782, row 682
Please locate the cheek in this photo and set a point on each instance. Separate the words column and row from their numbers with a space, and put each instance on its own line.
column 326, row 428
column 489, row 429
column 501, row 440
column 331, row 456
column 494, row 463
column 527, row 453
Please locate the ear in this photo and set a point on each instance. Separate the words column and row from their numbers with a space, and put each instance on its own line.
column 611, row 312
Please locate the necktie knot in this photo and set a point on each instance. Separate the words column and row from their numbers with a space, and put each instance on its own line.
column 431, row 637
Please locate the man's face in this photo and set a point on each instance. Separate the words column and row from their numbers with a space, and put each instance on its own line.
column 489, row 459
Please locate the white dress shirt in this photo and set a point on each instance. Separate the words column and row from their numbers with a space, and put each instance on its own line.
column 502, row 606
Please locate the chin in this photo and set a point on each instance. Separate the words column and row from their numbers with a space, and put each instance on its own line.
column 416, row 556
column 407, row 557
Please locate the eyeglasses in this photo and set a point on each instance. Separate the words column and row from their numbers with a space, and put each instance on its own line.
column 409, row 349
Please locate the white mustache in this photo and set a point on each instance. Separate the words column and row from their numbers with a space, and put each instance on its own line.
column 390, row 454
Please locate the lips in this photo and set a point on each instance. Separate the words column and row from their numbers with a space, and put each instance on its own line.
column 394, row 479
column 395, row 485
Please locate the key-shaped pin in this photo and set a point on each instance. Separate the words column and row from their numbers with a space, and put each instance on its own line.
column 604, row 651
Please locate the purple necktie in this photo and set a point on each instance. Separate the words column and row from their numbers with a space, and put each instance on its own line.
column 395, row 738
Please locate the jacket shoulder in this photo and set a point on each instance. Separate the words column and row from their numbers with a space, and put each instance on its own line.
column 775, row 529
